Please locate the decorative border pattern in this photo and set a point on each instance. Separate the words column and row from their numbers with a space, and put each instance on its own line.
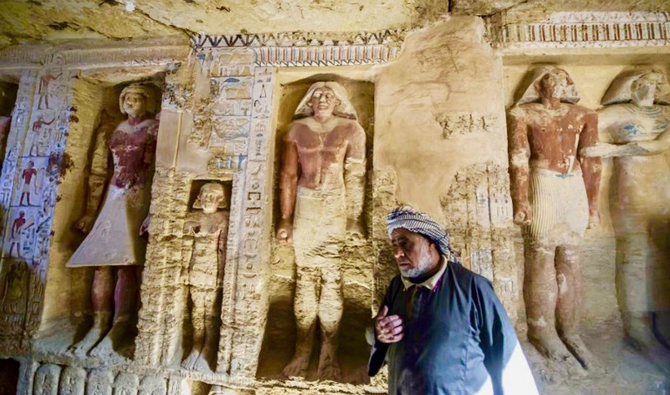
column 290, row 50
column 583, row 30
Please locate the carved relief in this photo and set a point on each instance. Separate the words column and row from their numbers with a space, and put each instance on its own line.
column 99, row 382
column 151, row 385
column 317, row 208
column 126, row 384
column 554, row 190
column 46, row 380
column 461, row 124
column 636, row 119
column 113, row 243
column 205, row 235
column 478, row 212
column 72, row 381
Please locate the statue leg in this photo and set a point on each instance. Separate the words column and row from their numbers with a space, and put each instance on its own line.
column 632, row 284
column 305, row 307
column 125, row 305
column 198, row 323
column 540, row 295
column 569, row 278
column 330, row 315
column 101, row 295
column 210, row 329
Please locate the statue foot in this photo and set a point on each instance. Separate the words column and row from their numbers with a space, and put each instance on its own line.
column 190, row 361
column 201, row 364
column 297, row 367
column 576, row 345
column 329, row 368
column 81, row 348
column 117, row 336
column 550, row 346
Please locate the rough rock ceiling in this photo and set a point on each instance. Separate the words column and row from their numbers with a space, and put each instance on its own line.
column 58, row 20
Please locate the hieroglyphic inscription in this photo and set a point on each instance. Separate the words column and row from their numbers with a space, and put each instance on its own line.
column 478, row 212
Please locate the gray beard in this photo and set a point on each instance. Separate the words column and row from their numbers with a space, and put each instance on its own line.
column 418, row 271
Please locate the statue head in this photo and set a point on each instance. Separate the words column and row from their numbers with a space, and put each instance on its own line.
column 135, row 100
column 325, row 98
column 549, row 82
column 642, row 87
column 211, row 197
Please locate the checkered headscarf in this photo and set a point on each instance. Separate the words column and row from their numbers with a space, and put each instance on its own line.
column 415, row 221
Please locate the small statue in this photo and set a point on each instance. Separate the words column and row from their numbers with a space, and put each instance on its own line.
column 113, row 244
column 637, row 119
column 554, row 191
column 206, row 233
column 321, row 197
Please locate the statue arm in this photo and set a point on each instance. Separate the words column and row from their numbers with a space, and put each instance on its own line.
column 640, row 148
column 99, row 169
column 354, row 174
column 591, row 166
column 519, row 154
column 288, row 184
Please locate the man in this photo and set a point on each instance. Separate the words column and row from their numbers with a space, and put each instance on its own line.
column 441, row 327
column 322, row 182
column 555, row 195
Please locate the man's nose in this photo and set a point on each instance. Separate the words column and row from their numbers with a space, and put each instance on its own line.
column 398, row 252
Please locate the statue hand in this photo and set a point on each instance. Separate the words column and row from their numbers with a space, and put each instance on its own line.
column 144, row 229
column 523, row 215
column 594, row 220
column 355, row 228
column 285, row 231
column 85, row 223
column 599, row 150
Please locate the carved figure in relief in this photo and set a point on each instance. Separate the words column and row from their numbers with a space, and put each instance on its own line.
column 205, row 232
column 44, row 88
column 554, row 193
column 637, row 120
column 27, row 177
column 322, row 182
column 113, row 244
column 20, row 224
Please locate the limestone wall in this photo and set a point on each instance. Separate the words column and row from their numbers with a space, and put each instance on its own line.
column 432, row 103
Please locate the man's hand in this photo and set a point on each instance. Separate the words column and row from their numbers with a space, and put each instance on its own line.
column 388, row 329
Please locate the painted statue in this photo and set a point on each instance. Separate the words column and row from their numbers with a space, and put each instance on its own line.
column 206, row 232
column 113, row 244
column 637, row 121
column 321, row 198
column 554, row 192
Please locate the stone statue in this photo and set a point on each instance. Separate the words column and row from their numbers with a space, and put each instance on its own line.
column 554, row 192
column 637, row 120
column 322, row 183
column 206, row 232
column 113, row 244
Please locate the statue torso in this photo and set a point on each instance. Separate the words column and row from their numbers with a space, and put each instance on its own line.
column 322, row 148
column 132, row 143
column 553, row 134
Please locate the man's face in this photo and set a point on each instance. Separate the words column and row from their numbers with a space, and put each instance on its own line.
column 323, row 102
column 134, row 104
column 412, row 253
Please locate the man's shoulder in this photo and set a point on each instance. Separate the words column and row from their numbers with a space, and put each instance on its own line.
column 467, row 278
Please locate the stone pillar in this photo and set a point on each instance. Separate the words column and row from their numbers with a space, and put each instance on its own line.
column 31, row 174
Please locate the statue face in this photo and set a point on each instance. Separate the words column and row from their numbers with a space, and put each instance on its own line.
column 553, row 84
column 323, row 102
column 210, row 197
column 134, row 104
column 643, row 90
